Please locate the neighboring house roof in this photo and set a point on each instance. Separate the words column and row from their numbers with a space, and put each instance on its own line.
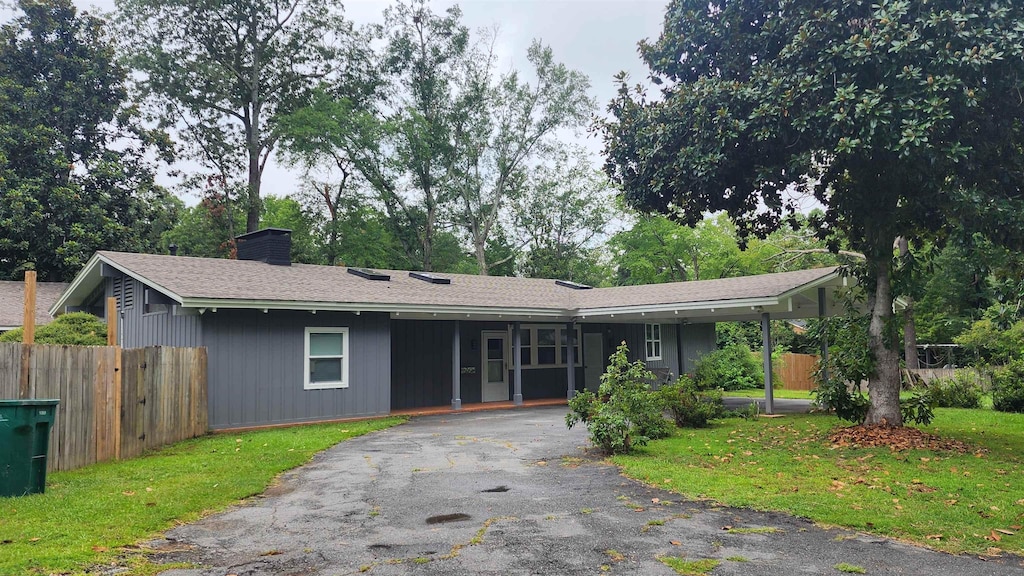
column 12, row 302
column 209, row 283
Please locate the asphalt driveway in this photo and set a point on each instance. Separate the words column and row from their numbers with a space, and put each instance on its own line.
column 510, row 493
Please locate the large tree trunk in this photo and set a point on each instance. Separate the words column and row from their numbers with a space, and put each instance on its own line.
column 884, row 384
column 909, row 328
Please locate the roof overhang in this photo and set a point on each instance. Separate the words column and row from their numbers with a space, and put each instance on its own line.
column 91, row 276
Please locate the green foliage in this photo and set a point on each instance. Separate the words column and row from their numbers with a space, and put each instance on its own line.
column 962, row 390
column 734, row 367
column 690, row 406
column 1008, row 387
column 75, row 160
column 73, row 328
column 228, row 72
column 860, row 105
column 919, row 408
column 626, row 413
column 208, row 228
column 836, row 396
column 283, row 212
column 992, row 344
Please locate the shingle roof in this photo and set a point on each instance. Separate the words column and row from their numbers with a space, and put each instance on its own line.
column 12, row 302
column 739, row 288
column 192, row 278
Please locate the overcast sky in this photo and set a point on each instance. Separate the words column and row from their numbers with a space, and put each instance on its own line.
column 596, row 37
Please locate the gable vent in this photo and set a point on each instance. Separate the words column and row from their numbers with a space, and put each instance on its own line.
column 369, row 274
column 429, row 278
column 573, row 285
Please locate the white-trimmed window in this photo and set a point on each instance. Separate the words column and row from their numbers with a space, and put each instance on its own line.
column 546, row 346
column 326, row 357
column 652, row 338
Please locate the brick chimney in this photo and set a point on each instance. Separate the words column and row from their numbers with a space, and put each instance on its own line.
column 270, row 245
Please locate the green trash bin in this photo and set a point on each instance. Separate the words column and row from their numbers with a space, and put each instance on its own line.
column 24, row 445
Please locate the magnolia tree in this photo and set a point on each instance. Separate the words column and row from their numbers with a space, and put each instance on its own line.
column 901, row 118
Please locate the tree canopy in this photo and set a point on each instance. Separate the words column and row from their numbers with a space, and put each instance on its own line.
column 75, row 175
column 223, row 73
column 899, row 117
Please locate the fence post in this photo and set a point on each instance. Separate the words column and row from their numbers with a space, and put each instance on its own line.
column 28, row 335
column 112, row 317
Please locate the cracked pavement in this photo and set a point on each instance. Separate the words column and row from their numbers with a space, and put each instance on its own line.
column 510, row 492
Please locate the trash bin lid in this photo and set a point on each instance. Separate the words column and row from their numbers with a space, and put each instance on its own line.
column 32, row 402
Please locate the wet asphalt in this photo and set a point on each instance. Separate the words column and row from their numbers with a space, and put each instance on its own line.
column 511, row 492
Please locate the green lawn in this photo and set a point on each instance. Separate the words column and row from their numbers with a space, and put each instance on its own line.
column 87, row 515
column 954, row 502
column 778, row 393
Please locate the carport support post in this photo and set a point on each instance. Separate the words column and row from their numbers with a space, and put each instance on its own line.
column 570, row 360
column 766, row 344
column 822, row 313
column 456, row 369
column 517, row 365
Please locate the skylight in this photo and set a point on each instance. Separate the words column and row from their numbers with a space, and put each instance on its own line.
column 369, row 274
column 573, row 285
column 427, row 277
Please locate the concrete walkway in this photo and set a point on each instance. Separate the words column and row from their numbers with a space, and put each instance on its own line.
column 510, row 493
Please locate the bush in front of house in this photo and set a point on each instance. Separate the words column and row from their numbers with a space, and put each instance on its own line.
column 72, row 329
column 962, row 390
column 734, row 367
column 690, row 406
column 1008, row 387
column 625, row 413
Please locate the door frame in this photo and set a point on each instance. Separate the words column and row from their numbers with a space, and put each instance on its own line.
column 484, row 336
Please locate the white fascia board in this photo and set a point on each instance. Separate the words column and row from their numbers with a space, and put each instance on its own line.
column 682, row 307
column 225, row 304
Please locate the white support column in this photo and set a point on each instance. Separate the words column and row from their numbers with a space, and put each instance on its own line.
column 822, row 314
column 570, row 360
column 456, row 368
column 517, row 367
column 766, row 348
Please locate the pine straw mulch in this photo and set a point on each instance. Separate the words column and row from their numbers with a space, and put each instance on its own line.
column 896, row 439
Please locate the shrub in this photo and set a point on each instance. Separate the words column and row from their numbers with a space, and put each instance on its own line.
column 626, row 413
column 734, row 367
column 835, row 395
column 73, row 328
column 1008, row 387
column 962, row 390
column 691, row 407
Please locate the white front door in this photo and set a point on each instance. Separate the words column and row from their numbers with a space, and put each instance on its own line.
column 494, row 381
column 593, row 360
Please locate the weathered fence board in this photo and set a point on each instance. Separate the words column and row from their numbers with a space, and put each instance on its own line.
column 113, row 403
column 797, row 371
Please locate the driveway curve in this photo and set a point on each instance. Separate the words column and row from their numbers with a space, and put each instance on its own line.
column 511, row 492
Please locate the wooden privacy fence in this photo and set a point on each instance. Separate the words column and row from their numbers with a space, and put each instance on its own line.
column 797, row 371
column 113, row 403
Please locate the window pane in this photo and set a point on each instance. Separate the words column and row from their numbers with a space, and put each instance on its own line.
column 657, row 349
column 545, row 336
column 647, row 331
column 524, row 336
column 325, row 370
column 565, row 354
column 524, row 356
column 650, row 349
column 546, row 355
column 325, row 344
column 495, row 348
column 494, row 371
column 656, row 331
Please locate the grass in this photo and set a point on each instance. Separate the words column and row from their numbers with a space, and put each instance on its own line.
column 777, row 393
column 850, row 568
column 953, row 502
column 689, row 567
column 88, row 515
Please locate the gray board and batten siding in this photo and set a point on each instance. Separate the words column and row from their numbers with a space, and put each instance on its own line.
column 163, row 325
column 256, row 368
